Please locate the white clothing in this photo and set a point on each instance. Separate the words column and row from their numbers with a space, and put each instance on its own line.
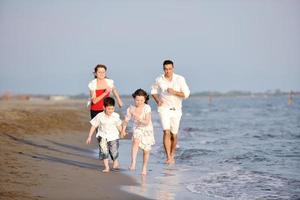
column 170, row 101
column 93, row 87
column 107, row 125
column 143, row 132
column 170, row 120
column 93, row 84
column 170, row 110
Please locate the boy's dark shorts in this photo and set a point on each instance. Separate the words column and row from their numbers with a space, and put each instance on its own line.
column 113, row 149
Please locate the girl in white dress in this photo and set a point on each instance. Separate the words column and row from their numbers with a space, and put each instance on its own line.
column 143, row 136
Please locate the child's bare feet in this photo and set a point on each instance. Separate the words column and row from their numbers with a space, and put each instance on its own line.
column 132, row 166
column 116, row 164
column 144, row 171
column 105, row 170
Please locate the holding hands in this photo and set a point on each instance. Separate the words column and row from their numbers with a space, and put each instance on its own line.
column 123, row 133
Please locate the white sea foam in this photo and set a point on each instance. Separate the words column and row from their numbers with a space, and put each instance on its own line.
column 240, row 184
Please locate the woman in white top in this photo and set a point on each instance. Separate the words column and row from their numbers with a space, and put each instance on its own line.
column 143, row 136
column 100, row 88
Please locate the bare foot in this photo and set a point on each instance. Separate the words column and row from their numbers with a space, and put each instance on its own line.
column 105, row 170
column 116, row 165
column 132, row 166
column 144, row 172
column 170, row 161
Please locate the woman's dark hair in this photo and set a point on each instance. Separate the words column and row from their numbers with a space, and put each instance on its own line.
column 99, row 66
column 109, row 101
column 141, row 92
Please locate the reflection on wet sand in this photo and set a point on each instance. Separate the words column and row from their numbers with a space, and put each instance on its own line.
column 163, row 186
column 141, row 189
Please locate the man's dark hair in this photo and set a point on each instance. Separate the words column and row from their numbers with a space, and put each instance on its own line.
column 167, row 62
column 108, row 101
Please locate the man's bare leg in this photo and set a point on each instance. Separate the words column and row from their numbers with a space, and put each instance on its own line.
column 173, row 147
column 167, row 145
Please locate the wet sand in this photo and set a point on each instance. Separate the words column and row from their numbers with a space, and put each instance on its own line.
column 43, row 154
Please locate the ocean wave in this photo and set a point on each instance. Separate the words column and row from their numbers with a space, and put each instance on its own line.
column 191, row 155
column 191, row 129
column 241, row 184
column 248, row 157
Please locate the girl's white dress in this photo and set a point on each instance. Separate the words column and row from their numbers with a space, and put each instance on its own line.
column 140, row 131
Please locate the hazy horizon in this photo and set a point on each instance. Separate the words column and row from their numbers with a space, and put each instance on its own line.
column 192, row 93
column 52, row 47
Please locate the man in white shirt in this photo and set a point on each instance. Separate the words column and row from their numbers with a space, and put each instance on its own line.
column 168, row 92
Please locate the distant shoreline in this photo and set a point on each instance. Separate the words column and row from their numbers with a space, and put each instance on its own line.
column 206, row 94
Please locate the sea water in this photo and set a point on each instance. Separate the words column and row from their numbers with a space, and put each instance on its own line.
column 230, row 148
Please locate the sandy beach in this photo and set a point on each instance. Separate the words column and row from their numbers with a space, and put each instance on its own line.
column 43, row 154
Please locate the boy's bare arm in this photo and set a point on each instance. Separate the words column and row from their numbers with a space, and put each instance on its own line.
column 119, row 128
column 89, row 139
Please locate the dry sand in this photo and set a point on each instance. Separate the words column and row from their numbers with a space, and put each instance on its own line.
column 43, row 155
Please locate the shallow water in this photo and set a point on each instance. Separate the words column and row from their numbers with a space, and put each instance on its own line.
column 233, row 148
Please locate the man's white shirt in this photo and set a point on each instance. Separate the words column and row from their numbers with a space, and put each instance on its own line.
column 170, row 101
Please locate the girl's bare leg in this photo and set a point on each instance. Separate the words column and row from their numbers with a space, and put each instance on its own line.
column 145, row 162
column 134, row 151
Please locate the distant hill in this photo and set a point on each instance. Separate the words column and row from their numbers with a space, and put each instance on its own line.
column 243, row 93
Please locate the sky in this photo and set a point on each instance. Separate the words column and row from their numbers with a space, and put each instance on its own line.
column 52, row 46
